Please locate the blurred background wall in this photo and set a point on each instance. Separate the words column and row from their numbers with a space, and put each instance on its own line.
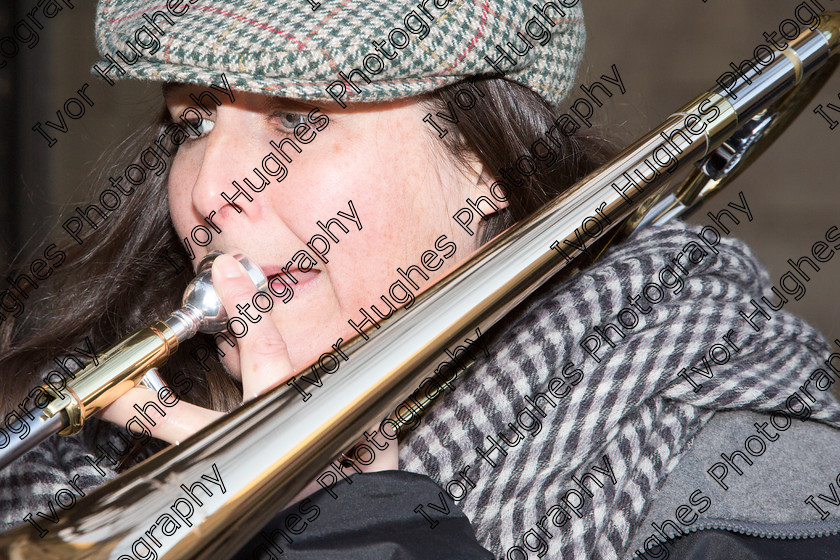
column 666, row 52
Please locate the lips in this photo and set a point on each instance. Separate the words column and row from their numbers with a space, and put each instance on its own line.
column 303, row 278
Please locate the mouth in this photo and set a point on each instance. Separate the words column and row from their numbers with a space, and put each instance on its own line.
column 295, row 277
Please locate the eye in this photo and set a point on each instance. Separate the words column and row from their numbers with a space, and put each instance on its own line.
column 204, row 126
column 290, row 120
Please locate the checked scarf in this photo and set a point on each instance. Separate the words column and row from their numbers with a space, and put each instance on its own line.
column 631, row 407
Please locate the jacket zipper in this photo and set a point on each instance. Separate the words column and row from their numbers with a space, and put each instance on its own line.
column 786, row 530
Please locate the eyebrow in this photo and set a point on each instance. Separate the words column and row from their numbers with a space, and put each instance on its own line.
column 275, row 103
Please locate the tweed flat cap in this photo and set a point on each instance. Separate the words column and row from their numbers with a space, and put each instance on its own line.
column 343, row 50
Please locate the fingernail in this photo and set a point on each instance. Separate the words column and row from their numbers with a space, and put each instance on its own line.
column 228, row 267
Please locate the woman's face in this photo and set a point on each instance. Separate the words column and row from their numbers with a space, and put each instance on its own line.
column 381, row 156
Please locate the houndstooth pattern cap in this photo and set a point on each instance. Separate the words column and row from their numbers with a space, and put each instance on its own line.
column 312, row 49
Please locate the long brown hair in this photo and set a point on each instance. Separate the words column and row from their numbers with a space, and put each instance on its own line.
column 118, row 280
column 500, row 128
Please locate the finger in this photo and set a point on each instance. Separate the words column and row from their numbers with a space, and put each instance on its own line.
column 176, row 424
column 263, row 358
column 386, row 459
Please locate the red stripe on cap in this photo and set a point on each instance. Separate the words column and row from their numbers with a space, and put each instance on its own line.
column 478, row 34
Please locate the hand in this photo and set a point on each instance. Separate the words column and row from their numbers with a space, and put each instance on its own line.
column 264, row 364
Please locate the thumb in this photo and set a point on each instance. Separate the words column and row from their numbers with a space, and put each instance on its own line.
column 176, row 424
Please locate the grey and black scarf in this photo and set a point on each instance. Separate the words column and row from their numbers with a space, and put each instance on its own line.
column 628, row 418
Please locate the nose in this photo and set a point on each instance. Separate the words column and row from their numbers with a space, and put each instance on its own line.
column 221, row 183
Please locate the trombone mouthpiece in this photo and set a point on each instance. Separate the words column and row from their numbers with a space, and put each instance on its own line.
column 202, row 309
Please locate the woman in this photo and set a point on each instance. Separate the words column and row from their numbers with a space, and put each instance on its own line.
column 371, row 126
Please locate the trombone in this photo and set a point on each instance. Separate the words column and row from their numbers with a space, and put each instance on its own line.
column 288, row 442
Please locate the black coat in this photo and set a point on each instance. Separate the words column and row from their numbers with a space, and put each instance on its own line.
column 373, row 518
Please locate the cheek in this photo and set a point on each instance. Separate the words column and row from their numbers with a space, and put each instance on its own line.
column 404, row 205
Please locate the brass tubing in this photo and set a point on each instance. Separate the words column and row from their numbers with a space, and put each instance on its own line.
column 120, row 369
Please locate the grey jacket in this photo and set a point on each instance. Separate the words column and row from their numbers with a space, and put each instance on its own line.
column 768, row 500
